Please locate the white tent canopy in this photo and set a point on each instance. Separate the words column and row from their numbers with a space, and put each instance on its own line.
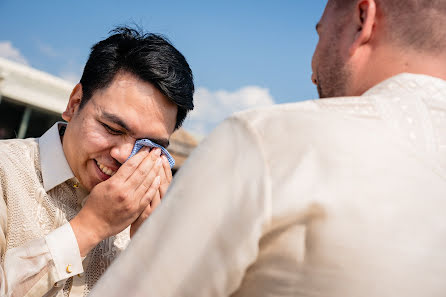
column 30, row 86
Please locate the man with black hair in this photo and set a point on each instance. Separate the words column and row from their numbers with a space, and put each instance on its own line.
column 72, row 199
column 339, row 197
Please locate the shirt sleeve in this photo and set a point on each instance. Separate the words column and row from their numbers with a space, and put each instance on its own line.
column 206, row 232
column 40, row 266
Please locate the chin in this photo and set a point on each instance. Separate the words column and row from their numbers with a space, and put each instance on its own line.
column 87, row 184
column 90, row 178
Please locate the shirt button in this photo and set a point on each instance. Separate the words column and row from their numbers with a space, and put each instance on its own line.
column 69, row 270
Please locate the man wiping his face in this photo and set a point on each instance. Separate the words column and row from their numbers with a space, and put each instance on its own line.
column 73, row 198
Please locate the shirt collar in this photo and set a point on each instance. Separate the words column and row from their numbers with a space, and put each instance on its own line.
column 54, row 165
column 408, row 82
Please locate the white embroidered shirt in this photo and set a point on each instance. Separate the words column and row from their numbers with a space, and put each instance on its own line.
column 40, row 255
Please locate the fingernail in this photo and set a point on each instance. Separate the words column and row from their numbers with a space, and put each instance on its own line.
column 158, row 151
column 158, row 162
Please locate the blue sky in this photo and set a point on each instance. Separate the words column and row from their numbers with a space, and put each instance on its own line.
column 243, row 53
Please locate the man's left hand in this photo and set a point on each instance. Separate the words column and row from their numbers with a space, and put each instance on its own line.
column 166, row 178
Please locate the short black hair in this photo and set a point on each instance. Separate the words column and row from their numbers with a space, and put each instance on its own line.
column 150, row 57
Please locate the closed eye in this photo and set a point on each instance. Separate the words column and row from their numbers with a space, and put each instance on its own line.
column 111, row 130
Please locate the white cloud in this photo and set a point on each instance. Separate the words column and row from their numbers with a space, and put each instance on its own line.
column 47, row 49
column 8, row 51
column 213, row 107
column 72, row 77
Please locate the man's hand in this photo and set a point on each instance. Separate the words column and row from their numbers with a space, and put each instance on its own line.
column 117, row 202
column 165, row 178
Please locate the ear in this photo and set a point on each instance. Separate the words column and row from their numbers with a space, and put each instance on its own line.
column 73, row 103
column 365, row 18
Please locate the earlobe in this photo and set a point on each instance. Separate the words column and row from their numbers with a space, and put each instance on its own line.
column 73, row 103
column 365, row 16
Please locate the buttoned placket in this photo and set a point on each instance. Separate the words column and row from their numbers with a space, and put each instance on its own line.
column 78, row 281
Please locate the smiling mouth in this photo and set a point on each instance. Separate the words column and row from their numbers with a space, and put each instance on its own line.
column 105, row 169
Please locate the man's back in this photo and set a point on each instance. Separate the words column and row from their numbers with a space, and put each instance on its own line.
column 358, row 210
column 339, row 197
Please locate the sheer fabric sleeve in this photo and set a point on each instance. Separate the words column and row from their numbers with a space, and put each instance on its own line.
column 40, row 267
column 205, row 233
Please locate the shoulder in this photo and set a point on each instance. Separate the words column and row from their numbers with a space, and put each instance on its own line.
column 311, row 126
column 353, row 106
column 310, row 114
column 18, row 153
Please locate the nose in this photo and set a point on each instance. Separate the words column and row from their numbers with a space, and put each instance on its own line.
column 122, row 150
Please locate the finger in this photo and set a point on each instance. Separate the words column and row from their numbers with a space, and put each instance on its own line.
column 167, row 169
column 143, row 169
column 135, row 225
column 148, row 180
column 146, row 208
column 127, row 169
column 162, row 173
column 166, row 177
column 144, row 215
column 164, row 187
column 149, row 195
column 163, row 190
column 156, row 201
column 141, row 218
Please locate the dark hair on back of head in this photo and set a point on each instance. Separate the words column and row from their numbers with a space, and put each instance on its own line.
column 150, row 57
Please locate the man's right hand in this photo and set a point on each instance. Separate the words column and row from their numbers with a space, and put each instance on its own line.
column 117, row 202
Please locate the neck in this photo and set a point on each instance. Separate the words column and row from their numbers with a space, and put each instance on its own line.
column 390, row 62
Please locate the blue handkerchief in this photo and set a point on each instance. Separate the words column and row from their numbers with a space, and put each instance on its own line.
column 145, row 142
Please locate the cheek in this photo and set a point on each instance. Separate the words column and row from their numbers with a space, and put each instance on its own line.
column 317, row 58
column 99, row 141
column 96, row 140
column 322, row 59
column 316, row 64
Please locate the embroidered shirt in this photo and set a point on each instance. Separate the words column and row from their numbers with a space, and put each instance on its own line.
column 40, row 195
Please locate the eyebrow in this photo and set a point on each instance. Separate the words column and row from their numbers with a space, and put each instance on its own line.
column 115, row 119
column 120, row 122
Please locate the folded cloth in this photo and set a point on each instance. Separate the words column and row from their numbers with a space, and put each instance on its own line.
column 146, row 142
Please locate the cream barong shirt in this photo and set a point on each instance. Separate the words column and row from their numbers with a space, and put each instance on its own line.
column 39, row 251
column 338, row 197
